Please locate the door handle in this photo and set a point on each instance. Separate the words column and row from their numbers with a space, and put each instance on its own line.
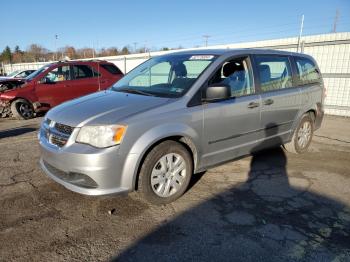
column 66, row 86
column 268, row 102
column 253, row 104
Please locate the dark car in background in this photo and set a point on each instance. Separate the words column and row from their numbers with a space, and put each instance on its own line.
column 18, row 74
column 54, row 84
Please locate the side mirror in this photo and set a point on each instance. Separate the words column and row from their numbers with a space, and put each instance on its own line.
column 216, row 93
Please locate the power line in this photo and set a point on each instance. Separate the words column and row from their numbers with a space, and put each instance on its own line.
column 253, row 32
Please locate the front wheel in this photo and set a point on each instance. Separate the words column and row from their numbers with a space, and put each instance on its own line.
column 22, row 109
column 302, row 136
column 165, row 173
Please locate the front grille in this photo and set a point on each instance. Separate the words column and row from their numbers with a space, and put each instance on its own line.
column 57, row 140
column 56, row 133
column 64, row 128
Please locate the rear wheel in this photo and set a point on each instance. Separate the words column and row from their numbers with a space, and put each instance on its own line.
column 22, row 109
column 302, row 136
column 165, row 173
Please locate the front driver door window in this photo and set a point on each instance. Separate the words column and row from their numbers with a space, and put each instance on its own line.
column 61, row 73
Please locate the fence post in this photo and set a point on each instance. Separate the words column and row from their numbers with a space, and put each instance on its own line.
column 124, row 64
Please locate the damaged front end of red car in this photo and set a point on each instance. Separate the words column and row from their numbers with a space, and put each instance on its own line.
column 5, row 109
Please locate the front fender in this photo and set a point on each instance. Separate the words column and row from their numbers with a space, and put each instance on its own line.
column 148, row 139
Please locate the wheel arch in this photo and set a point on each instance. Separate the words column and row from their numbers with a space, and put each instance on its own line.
column 185, row 137
column 20, row 97
column 183, row 140
column 312, row 113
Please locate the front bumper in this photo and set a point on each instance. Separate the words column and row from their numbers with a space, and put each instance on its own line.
column 84, row 169
column 5, row 109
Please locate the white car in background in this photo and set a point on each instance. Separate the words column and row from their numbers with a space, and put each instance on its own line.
column 18, row 74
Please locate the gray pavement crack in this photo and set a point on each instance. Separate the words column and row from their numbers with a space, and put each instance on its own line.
column 334, row 139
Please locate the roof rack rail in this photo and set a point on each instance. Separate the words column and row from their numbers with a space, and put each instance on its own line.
column 81, row 60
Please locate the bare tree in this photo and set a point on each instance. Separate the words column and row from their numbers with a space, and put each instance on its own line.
column 37, row 52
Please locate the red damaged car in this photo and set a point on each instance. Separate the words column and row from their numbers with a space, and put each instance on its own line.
column 54, row 84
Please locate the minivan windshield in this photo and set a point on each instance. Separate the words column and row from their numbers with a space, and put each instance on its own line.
column 165, row 76
column 37, row 72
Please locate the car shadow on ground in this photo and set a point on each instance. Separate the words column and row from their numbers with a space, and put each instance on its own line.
column 16, row 131
column 262, row 219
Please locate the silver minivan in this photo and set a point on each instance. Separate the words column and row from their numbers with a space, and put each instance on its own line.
column 180, row 114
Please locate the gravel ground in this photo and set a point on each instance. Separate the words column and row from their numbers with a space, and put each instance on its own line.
column 272, row 206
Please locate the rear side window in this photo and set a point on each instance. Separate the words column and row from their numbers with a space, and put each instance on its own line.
column 111, row 69
column 307, row 71
column 82, row 71
column 274, row 72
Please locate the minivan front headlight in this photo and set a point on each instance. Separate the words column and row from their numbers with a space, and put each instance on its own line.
column 101, row 136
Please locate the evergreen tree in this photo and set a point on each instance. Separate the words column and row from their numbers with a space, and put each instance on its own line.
column 7, row 55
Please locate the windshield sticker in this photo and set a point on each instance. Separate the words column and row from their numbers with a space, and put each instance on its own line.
column 201, row 57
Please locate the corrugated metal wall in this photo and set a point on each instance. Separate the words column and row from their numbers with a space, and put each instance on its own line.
column 331, row 51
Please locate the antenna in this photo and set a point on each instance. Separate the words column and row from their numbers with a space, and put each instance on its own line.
column 55, row 54
column 336, row 18
column 206, row 39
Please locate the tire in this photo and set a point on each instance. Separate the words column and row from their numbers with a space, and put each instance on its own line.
column 22, row 109
column 302, row 136
column 156, row 183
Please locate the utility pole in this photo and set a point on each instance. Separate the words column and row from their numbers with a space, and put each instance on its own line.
column 300, row 32
column 55, row 54
column 145, row 46
column 336, row 18
column 206, row 39
column 135, row 43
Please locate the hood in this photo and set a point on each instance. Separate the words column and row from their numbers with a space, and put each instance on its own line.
column 7, row 84
column 103, row 108
column 6, row 79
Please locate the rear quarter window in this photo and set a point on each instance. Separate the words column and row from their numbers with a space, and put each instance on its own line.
column 274, row 72
column 308, row 72
column 111, row 69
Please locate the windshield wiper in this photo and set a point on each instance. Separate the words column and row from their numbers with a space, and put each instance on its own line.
column 134, row 91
